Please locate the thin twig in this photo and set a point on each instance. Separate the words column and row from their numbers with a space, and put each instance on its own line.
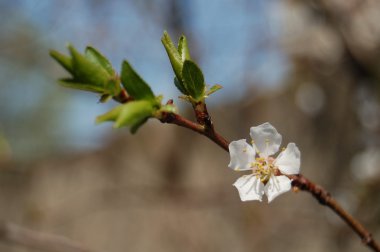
column 37, row 240
column 173, row 118
column 298, row 181
column 201, row 114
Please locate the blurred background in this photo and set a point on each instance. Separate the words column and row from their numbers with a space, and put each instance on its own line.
column 311, row 68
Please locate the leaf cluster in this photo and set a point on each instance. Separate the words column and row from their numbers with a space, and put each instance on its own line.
column 92, row 71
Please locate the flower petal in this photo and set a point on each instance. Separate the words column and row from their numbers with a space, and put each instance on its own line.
column 250, row 188
column 289, row 161
column 266, row 139
column 276, row 186
column 242, row 155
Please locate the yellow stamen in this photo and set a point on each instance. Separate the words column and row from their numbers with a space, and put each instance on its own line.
column 263, row 169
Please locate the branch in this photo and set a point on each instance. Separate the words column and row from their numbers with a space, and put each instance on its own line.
column 324, row 198
column 298, row 181
column 209, row 132
column 14, row 234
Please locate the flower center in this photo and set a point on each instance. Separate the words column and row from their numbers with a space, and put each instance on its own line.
column 263, row 168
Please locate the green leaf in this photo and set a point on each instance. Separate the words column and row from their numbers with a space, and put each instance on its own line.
column 133, row 114
column 90, row 72
column 62, row 59
column 136, row 125
column 174, row 56
column 179, row 85
column 95, row 56
column 105, row 98
column 111, row 115
column 134, row 84
column 113, row 87
column 193, row 80
column 71, row 83
column 213, row 89
column 183, row 48
column 86, row 71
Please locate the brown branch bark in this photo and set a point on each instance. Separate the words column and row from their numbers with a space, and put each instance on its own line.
column 324, row 198
column 203, row 130
column 15, row 234
column 298, row 181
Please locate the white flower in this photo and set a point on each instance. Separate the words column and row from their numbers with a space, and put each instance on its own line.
column 266, row 171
